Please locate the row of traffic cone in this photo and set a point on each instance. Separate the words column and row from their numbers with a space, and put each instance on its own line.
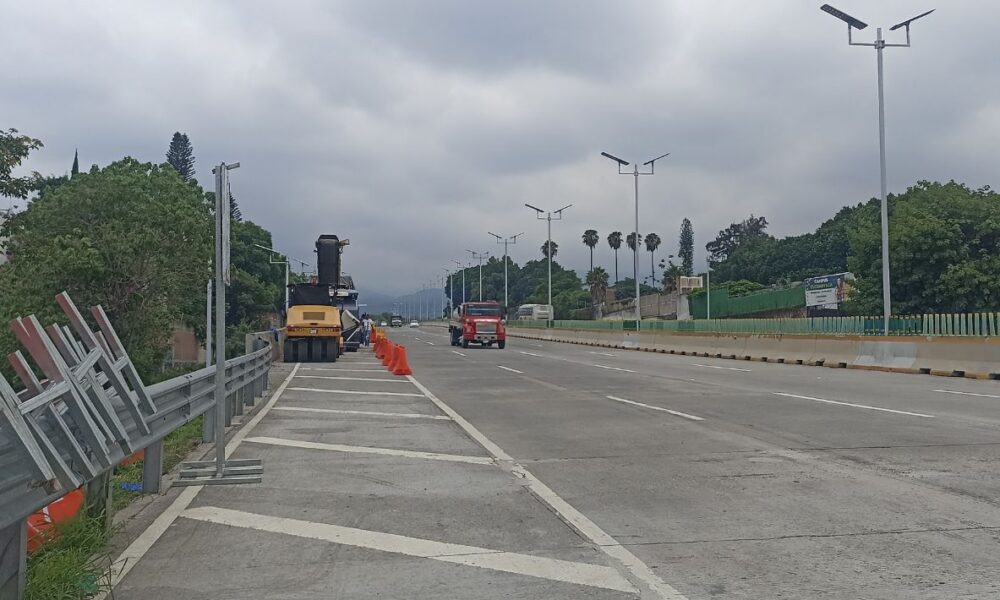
column 393, row 356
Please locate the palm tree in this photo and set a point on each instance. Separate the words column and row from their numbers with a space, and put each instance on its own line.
column 545, row 249
column 652, row 242
column 590, row 239
column 615, row 241
column 597, row 281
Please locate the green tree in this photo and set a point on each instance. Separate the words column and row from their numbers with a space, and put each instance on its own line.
column 615, row 241
column 734, row 236
column 76, row 163
column 597, row 282
column 630, row 241
column 686, row 250
column 590, row 239
column 652, row 242
column 132, row 237
column 547, row 245
column 180, row 155
column 14, row 148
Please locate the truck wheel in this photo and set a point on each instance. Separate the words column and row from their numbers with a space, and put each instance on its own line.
column 502, row 344
column 288, row 353
column 465, row 343
column 334, row 349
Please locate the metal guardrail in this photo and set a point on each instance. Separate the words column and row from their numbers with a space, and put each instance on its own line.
column 91, row 410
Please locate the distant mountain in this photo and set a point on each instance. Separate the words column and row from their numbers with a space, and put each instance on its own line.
column 420, row 304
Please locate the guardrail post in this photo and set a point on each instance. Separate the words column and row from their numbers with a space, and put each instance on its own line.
column 98, row 494
column 152, row 468
column 13, row 560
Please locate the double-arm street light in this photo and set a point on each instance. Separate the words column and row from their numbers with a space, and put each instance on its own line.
column 548, row 217
column 480, row 256
column 461, row 266
column 505, row 241
column 635, row 254
column 879, row 44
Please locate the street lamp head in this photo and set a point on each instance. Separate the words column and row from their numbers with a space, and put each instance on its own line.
column 516, row 235
column 559, row 212
column 907, row 22
column 535, row 208
column 846, row 18
column 498, row 237
column 615, row 158
column 649, row 162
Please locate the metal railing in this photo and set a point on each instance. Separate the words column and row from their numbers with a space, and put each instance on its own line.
column 86, row 409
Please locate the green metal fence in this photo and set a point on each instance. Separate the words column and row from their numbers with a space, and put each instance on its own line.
column 960, row 324
column 725, row 306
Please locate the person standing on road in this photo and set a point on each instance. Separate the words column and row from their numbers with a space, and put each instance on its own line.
column 366, row 328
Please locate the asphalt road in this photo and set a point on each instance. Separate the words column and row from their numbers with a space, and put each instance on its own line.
column 550, row 470
column 765, row 480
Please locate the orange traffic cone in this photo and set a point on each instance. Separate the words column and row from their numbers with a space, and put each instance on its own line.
column 379, row 349
column 388, row 355
column 401, row 366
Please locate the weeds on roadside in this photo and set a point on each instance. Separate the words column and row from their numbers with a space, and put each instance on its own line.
column 72, row 564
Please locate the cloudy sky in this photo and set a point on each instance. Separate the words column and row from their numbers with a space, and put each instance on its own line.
column 413, row 127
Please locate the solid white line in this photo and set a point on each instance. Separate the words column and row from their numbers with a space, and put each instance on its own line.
column 967, row 394
column 511, row 370
column 350, row 378
column 343, row 370
column 361, row 412
column 474, row 460
column 457, row 352
column 138, row 548
column 351, row 393
column 509, row 562
column 718, row 367
column 888, row 410
column 574, row 518
column 614, row 368
column 527, row 353
column 666, row 410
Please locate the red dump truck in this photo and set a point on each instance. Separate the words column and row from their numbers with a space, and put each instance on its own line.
column 477, row 323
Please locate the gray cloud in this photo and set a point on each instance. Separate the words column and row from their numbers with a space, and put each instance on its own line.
column 415, row 127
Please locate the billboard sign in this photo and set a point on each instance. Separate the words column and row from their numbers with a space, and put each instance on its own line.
column 828, row 291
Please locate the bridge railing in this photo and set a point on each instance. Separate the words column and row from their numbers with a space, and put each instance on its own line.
column 82, row 409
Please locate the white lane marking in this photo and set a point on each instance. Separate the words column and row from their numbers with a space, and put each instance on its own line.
column 574, row 518
column 538, row 345
column 527, row 353
column 474, row 460
column 131, row 556
column 511, row 370
column 967, row 394
column 343, row 370
column 718, row 367
column 603, row 353
column 472, row 556
column 613, row 368
column 659, row 408
column 361, row 362
column 457, row 352
column 429, row 343
column 352, row 393
column 361, row 412
column 888, row 410
column 382, row 379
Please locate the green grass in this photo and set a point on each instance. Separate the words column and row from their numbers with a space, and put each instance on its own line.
column 176, row 446
column 72, row 565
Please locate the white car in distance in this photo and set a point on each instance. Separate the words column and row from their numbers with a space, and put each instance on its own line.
column 414, row 324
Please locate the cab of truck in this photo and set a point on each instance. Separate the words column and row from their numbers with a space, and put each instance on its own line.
column 478, row 323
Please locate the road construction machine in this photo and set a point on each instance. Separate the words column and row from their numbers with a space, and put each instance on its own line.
column 315, row 323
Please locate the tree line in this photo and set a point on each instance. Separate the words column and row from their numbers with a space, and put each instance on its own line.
column 136, row 237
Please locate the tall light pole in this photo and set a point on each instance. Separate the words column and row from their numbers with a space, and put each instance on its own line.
column 480, row 256
column 548, row 217
column 451, row 295
column 505, row 241
column 879, row 44
column 461, row 266
column 635, row 254
column 279, row 262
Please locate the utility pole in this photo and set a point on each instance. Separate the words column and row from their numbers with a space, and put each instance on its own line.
column 480, row 256
column 279, row 262
column 548, row 217
column 505, row 241
column 635, row 254
column 461, row 266
column 879, row 44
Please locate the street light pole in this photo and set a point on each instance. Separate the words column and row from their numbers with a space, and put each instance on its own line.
column 480, row 256
column 279, row 262
column 879, row 46
column 461, row 266
column 548, row 217
column 505, row 241
column 635, row 253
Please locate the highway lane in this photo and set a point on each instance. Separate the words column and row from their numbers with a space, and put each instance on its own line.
column 813, row 494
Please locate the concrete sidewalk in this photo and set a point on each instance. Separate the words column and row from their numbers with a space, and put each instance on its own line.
column 370, row 491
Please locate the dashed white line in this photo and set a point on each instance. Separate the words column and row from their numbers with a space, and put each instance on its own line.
column 613, row 368
column 343, row 370
column 522, row 564
column 361, row 412
column 352, row 393
column 429, row 343
column 511, row 370
column 271, row 441
column 527, row 353
column 865, row 406
column 457, row 352
column 659, row 408
column 723, row 368
column 603, row 353
column 380, row 379
column 967, row 394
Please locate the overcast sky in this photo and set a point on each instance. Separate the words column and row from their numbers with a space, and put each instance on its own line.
column 413, row 127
